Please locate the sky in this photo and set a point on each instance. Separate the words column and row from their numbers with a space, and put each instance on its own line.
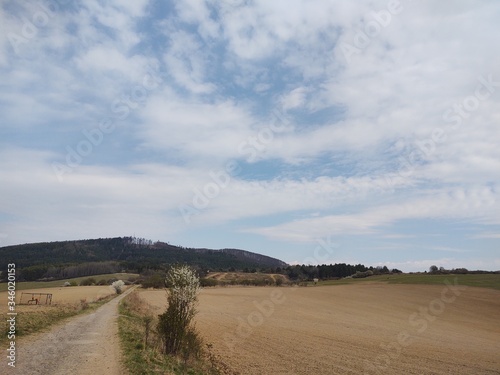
column 313, row 131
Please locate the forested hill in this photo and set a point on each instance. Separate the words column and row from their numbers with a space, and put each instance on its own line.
column 131, row 253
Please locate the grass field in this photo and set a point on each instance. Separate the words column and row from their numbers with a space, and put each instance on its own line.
column 238, row 277
column 476, row 280
column 57, row 283
column 360, row 328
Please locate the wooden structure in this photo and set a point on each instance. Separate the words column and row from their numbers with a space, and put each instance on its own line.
column 36, row 298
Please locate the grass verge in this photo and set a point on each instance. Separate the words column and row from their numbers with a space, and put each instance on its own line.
column 143, row 358
column 32, row 319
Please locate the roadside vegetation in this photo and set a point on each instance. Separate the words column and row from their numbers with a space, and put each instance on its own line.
column 169, row 342
column 36, row 318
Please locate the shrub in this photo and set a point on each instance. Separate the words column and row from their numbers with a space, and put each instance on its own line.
column 102, row 282
column 84, row 304
column 88, row 281
column 155, row 280
column 174, row 324
column 118, row 285
column 204, row 282
column 192, row 345
column 359, row 274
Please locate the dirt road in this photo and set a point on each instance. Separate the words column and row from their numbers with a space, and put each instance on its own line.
column 86, row 345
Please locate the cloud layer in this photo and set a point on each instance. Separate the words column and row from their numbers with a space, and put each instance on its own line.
column 261, row 125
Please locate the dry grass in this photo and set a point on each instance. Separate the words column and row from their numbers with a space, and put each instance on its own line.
column 34, row 318
column 238, row 277
column 345, row 328
column 28, row 285
column 60, row 295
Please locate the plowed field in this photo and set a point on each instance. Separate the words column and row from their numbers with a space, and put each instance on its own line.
column 351, row 329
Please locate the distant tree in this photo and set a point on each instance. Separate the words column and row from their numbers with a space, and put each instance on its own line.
column 433, row 269
column 395, row 270
column 88, row 281
column 154, row 280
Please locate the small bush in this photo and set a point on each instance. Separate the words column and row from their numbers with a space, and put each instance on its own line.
column 118, row 286
column 102, row 282
column 88, row 281
column 192, row 345
column 84, row 305
column 208, row 282
column 156, row 281
column 360, row 275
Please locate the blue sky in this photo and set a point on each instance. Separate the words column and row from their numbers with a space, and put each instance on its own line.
column 272, row 126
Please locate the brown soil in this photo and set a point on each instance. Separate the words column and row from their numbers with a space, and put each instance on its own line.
column 351, row 329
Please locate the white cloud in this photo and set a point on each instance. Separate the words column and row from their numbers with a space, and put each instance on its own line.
column 92, row 201
column 201, row 129
column 295, row 98
column 486, row 235
column 197, row 13
column 479, row 204
column 187, row 63
column 359, row 136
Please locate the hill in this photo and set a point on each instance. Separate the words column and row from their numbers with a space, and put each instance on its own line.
column 36, row 260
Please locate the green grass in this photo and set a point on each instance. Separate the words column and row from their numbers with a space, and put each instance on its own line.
column 24, row 285
column 491, row 281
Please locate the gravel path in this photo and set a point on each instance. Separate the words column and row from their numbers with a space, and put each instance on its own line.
column 85, row 345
